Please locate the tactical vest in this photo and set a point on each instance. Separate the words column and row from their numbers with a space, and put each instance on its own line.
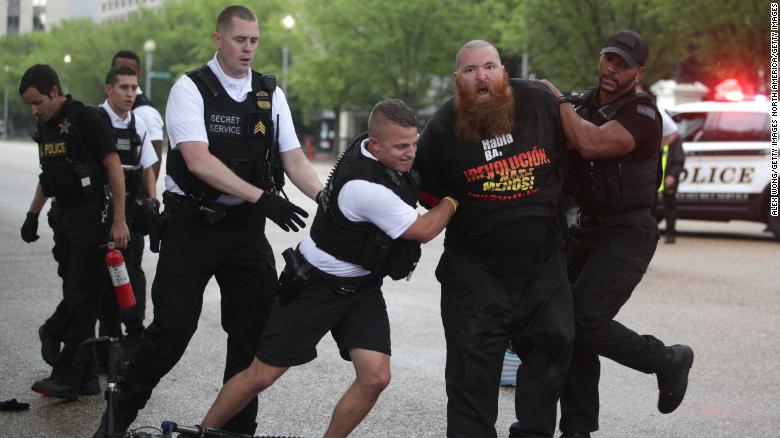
column 128, row 146
column 240, row 134
column 68, row 173
column 616, row 184
column 363, row 243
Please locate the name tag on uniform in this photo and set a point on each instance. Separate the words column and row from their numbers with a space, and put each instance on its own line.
column 222, row 124
column 123, row 144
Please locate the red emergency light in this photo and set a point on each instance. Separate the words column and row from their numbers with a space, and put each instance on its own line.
column 729, row 90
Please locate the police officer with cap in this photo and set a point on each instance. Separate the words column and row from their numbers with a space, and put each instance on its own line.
column 231, row 135
column 366, row 228
column 138, row 158
column 614, row 176
column 81, row 170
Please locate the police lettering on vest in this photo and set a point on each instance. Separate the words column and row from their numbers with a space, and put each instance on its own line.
column 66, row 171
column 240, row 134
column 364, row 243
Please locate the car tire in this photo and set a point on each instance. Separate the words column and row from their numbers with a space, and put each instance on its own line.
column 773, row 223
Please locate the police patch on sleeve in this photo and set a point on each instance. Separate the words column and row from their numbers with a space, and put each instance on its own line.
column 646, row 111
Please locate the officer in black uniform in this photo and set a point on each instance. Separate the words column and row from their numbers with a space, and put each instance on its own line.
column 78, row 159
column 366, row 228
column 231, row 136
column 673, row 159
column 498, row 147
column 138, row 158
column 614, row 177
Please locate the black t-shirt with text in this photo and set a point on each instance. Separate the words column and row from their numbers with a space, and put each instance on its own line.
column 508, row 186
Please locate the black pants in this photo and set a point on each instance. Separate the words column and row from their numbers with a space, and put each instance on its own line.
column 78, row 234
column 237, row 253
column 133, row 317
column 669, row 197
column 482, row 311
column 605, row 262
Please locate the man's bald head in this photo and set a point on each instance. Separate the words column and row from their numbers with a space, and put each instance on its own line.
column 473, row 44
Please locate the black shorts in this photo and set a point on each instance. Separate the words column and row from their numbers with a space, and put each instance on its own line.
column 294, row 329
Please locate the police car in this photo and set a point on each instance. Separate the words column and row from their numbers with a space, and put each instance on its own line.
column 727, row 162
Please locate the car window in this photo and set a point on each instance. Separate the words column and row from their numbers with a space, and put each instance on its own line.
column 728, row 126
column 689, row 125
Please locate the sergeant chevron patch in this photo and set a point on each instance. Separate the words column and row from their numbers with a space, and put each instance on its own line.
column 260, row 127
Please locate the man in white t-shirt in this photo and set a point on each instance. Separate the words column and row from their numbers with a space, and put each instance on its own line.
column 138, row 158
column 366, row 228
column 230, row 133
column 142, row 107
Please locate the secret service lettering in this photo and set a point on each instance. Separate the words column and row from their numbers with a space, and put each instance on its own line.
column 226, row 125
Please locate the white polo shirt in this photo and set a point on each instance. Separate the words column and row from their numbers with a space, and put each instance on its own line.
column 362, row 201
column 148, row 156
column 152, row 119
column 184, row 116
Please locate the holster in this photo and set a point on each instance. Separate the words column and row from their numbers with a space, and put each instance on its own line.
column 155, row 233
column 294, row 277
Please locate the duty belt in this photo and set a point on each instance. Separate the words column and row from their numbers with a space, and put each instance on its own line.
column 212, row 211
column 591, row 220
column 341, row 285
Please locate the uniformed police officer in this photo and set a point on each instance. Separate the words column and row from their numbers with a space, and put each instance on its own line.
column 231, row 133
column 142, row 106
column 366, row 227
column 672, row 164
column 138, row 158
column 498, row 147
column 614, row 177
column 133, row 317
column 78, row 159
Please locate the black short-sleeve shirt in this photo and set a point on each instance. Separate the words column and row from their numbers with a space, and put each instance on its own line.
column 508, row 186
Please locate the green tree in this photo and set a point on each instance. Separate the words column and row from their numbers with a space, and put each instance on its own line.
column 564, row 38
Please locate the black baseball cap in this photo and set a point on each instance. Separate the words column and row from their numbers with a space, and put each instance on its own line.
column 629, row 45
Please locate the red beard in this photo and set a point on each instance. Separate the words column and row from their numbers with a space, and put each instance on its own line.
column 489, row 117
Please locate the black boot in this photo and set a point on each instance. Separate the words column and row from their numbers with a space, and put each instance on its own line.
column 673, row 380
column 53, row 388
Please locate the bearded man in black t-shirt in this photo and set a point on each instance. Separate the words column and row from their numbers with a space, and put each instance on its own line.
column 614, row 177
column 498, row 147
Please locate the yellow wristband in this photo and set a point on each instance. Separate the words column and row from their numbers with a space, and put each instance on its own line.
column 452, row 202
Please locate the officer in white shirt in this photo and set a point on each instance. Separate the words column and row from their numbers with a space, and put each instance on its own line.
column 366, row 228
column 231, row 136
column 138, row 158
column 142, row 107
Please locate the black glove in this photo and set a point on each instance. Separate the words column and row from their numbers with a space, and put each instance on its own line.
column 30, row 228
column 283, row 212
column 13, row 405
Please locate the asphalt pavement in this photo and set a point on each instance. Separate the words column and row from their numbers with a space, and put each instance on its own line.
column 716, row 289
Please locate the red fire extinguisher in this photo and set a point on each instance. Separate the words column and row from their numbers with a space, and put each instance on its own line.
column 119, row 277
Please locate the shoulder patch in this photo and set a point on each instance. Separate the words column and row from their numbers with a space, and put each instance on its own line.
column 646, row 111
